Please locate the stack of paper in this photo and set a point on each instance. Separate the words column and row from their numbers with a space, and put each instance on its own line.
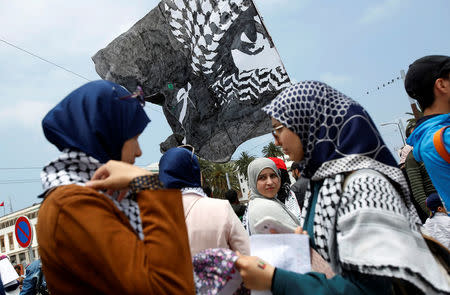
column 286, row 251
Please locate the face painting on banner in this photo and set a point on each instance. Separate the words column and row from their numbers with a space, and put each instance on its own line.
column 210, row 64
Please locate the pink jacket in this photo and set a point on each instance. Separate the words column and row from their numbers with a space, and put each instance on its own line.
column 212, row 223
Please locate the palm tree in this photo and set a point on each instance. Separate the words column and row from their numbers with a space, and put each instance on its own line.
column 412, row 121
column 242, row 163
column 271, row 150
column 214, row 176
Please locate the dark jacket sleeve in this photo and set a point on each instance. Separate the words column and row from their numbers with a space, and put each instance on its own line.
column 86, row 243
column 418, row 181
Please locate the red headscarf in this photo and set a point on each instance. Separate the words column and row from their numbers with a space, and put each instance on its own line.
column 279, row 163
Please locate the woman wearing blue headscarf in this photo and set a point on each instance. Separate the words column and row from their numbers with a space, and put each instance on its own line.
column 90, row 241
column 357, row 210
column 211, row 223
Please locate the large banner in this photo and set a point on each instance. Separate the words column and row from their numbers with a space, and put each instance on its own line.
column 211, row 64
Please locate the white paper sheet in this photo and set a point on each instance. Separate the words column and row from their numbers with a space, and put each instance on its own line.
column 7, row 271
column 286, row 251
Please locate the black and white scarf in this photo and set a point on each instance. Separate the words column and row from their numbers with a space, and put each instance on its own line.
column 75, row 167
column 364, row 220
column 350, row 204
column 193, row 190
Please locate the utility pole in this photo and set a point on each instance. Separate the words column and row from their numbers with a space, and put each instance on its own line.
column 412, row 101
column 228, row 180
column 10, row 205
column 399, row 129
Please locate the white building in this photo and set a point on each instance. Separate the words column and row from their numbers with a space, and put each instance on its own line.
column 8, row 242
column 245, row 190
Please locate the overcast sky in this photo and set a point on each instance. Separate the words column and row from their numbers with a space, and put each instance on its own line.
column 354, row 46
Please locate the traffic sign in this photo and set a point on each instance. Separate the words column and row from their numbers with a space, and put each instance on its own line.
column 24, row 232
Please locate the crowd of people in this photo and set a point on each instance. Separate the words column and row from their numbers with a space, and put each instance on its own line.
column 106, row 226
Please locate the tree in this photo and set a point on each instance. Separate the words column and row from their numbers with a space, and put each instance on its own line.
column 271, row 150
column 214, row 176
column 243, row 162
column 412, row 121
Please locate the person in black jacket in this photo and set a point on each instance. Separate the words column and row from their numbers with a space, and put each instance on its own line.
column 239, row 209
column 300, row 185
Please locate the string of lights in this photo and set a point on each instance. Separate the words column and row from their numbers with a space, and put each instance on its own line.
column 384, row 85
column 55, row 64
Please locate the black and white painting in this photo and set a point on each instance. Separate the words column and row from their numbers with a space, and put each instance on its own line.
column 213, row 65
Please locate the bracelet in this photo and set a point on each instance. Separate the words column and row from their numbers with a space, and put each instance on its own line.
column 145, row 182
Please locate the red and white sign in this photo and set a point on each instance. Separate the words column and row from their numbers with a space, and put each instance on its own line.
column 23, row 231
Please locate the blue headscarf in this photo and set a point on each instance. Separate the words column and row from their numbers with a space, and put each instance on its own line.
column 330, row 125
column 93, row 120
column 179, row 168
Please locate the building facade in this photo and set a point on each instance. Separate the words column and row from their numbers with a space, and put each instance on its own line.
column 8, row 242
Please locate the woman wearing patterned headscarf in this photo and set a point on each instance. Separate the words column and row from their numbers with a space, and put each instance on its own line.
column 211, row 223
column 265, row 181
column 90, row 241
column 357, row 211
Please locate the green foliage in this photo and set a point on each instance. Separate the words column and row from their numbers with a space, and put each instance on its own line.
column 271, row 150
column 243, row 162
column 214, row 176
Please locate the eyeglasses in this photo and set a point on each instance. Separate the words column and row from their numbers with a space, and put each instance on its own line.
column 189, row 148
column 138, row 94
column 274, row 131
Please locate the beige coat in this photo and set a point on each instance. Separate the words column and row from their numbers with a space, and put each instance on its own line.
column 212, row 223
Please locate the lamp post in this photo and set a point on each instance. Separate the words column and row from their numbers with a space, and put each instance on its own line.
column 399, row 129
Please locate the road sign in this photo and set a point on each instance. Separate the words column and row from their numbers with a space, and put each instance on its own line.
column 24, row 232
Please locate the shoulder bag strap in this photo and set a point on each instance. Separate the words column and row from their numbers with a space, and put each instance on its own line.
column 190, row 208
column 438, row 141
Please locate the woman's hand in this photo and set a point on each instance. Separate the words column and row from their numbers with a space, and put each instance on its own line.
column 115, row 175
column 299, row 230
column 255, row 272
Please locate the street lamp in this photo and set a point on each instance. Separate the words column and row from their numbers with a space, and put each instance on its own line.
column 399, row 129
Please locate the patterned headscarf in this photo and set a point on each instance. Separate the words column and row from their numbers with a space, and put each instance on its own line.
column 330, row 125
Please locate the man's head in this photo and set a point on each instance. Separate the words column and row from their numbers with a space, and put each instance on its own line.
column 434, row 203
column 428, row 81
column 231, row 196
column 295, row 169
column 208, row 191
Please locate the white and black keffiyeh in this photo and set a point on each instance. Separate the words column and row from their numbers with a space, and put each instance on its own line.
column 364, row 220
column 193, row 190
column 75, row 167
column 292, row 205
